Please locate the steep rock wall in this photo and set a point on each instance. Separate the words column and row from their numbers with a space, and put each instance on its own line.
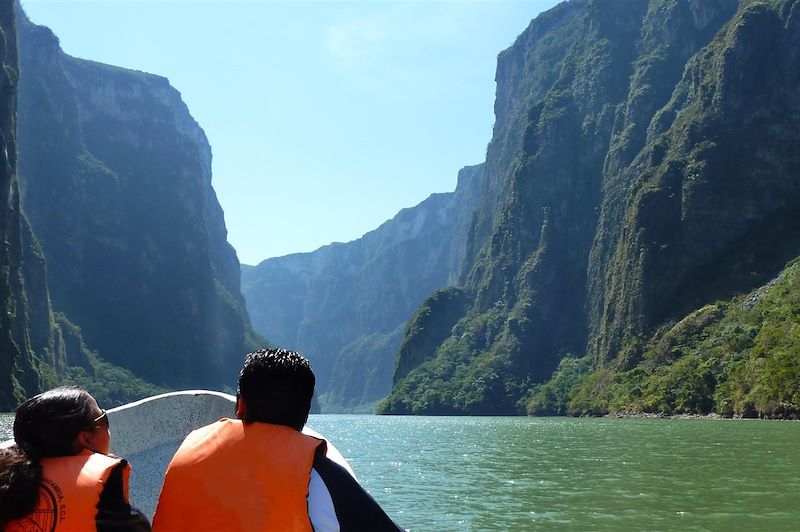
column 536, row 283
column 116, row 180
column 18, row 376
column 711, row 202
column 33, row 351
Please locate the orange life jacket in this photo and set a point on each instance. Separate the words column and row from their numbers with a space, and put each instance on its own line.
column 235, row 476
column 69, row 493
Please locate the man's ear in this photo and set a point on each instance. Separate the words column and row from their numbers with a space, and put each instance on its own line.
column 241, row 407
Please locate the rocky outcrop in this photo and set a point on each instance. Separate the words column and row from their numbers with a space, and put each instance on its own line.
column 430, row 325
column 345, row 305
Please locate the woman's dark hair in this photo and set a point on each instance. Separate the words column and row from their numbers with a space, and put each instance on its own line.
column 45, row 426
column 19, row 484
column 49, row 422
column 277, row 386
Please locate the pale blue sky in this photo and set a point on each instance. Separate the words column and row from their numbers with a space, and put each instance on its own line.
column 325, row 118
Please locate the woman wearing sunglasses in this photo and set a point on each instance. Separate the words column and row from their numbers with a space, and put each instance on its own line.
column 59, row 475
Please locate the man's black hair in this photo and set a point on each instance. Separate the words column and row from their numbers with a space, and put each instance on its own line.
column 277, row 386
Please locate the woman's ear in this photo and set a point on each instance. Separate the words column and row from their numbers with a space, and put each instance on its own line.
column 84, row 440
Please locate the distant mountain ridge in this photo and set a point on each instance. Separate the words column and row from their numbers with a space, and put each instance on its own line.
column 345, row 305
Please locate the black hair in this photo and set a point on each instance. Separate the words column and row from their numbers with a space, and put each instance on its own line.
column 49, row 422
column 44, row 426
column 20, row 475
column 277, row 386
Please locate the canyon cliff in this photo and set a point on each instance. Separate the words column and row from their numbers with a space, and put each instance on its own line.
column 117, row 270
column 643, row 164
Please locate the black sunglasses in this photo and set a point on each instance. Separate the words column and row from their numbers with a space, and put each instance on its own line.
column 101, row 420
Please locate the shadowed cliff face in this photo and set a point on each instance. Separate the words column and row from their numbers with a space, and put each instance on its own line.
column 116, row 180
column 345, row 305
column 598, row 233
column 34, row 350
column 525, row 74
column 18, row 376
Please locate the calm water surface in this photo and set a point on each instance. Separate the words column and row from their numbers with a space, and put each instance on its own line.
column 501, row 473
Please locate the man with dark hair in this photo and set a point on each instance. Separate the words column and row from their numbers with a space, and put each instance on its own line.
column 259, row 471
column 275, row 386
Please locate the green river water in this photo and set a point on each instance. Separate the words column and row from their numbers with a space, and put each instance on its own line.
column 507, row 473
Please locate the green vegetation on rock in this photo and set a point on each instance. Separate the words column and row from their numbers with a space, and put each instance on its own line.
column 109, row 384
column 739, row 357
